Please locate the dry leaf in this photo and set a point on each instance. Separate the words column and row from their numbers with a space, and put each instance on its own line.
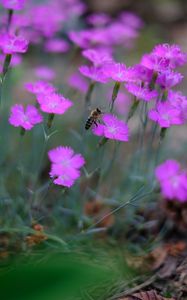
column 147, row 295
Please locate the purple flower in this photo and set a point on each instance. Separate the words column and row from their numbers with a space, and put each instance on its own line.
column 178, row 101
column 26, row 118
column 97, row 56
column 78, row 82
column 45, row 73
column 172, row 53
column 47, row 18
column 53, row 103
column 94, row 73
column 113, row 128
column 116, row 71
column 13, row 4
column 11, row 44
column 131, row 19
column 98, row 19
column 154, row 62
column 56, row 46
column 165, row 115
column 65, row 168
column 40, row 87
column 173, row 180
column 140, row 92
column 168, row 79
column 139, row 74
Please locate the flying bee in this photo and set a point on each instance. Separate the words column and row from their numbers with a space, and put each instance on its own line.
column 93, row 118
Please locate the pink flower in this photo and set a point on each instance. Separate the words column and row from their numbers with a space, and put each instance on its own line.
column 11, row 44
column 65, row 168
column 172, row 53
column 40, row 87
column 139, row 74
column 113, row 128
column 45, row 73
column 178, row 101
column 165, row 115
column 13, row 4
column 25, row 118
column 97, row 57
column 154, row 62
column 98, row 19
column 56, row 46
column 173, row 180
column 116, row 71
column 94, row 73
column 131, row 19
column 169, row 79
column 53, row 103
column 78, row 82
column 141, row 93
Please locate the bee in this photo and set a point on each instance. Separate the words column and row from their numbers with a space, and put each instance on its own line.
column 93, row 118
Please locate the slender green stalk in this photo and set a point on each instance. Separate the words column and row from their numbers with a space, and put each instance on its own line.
column 50, row 120
column 133, row 108
column 89, row 95
column 6, row 65
column 10, row 15
column 114, row 94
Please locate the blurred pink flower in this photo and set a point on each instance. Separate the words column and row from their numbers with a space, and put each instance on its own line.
column 97, row 56
column 45, row 73
column 53, row 103
column 47, row 18
column 139, row 74
column 165, row 115
column 172, row 53
column 168, row 79
column 40, row 87
column 77, row 81
column 154, row 62
column 56, row 45
column 26, row 118
column 131, row 19
column 141, row 93
column 11, row 44
column 178, row 101
column 173, row 180
column 65, row 168
column 94, row 73
column 113, row 128
column 13, row 4
column 98, row 19
column 116, row 71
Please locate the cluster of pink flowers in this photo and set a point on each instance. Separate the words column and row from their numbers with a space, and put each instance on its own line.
column 173, row 180
column 107, row 33
column 65, row 167
column 50, row 102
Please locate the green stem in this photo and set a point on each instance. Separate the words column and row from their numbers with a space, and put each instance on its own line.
column 162, row 133
column 133, row 109
column 5, row 70
column 10, row 15
column 50, row 120
column 22, row 131
column 89, row 94
column 114, row 94
column 153, row 81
